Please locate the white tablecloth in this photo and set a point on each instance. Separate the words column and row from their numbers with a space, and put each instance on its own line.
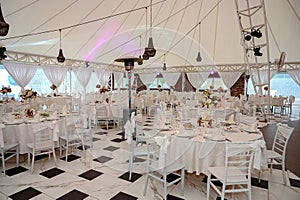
column 199, row 153
column 23, row 133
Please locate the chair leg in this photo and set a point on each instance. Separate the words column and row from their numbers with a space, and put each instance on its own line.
column 28, row 158
column 208, row 186
column 17, row 156
column 54, row 155
column 182, row 182
column 3, row 161
column 165, row 186
column 60, row 147
column 146, row 183
column 32, row 164
column 130, row 166
column 223, row 192
column 67, row 149
column 283, row 173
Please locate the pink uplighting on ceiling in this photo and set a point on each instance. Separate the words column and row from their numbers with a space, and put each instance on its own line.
column 131, row 47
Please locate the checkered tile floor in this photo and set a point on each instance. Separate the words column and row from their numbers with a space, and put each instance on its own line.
column 103, row 174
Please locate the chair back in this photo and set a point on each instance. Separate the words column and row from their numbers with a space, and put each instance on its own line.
column 282, row 136
column 43, row 138
column 1, row 136
column 102, row 112
column 238, row 163
column 157, row 148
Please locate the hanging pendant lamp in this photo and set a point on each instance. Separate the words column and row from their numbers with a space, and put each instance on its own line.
column 60, row 57
column 150, row 50
column 164, row 65
column 140, row 59
column 199, row 58
column 4, row 27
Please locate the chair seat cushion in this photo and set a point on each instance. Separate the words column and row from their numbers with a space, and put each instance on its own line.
column 173, row 166
column 272, row 155
column 236, row 175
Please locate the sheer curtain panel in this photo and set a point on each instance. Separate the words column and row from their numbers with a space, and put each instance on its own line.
column 22, row 73
column 197, row 79
column 147, row 79
column 229, row 78
column 55, row 74
column 171, row 78
column 295, row 75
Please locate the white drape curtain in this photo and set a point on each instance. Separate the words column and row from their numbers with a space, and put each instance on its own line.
column 295, row 75
column 118, row 77
column 197, row 79
column 147, row 79
column 83, row 75
column 105, row 77
column 102, row 75
column 22, row 73
column 171, row 78
column 55, row 74
column 230, row 78
column 98, row 73
column 263, row 76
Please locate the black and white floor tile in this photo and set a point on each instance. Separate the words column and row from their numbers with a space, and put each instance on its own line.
column 102, row 173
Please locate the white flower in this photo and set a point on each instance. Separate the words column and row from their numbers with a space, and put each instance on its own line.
column 208, row 101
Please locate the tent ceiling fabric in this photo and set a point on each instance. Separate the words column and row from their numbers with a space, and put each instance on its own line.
column 173, row 30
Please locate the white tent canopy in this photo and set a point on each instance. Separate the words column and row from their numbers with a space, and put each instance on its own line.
column 101, row 31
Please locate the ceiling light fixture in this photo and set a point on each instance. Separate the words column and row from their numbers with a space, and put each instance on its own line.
column 60, row 57
column 199, row 58
column 257, row 51
column 256, row 33
column 150, row 50
column 140, row 59
column 164, row 65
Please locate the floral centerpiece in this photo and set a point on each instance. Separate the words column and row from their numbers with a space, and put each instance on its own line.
column 5, row 90
column 103, row 90
column 53, row 87
column 209, row 99
column 28, row 94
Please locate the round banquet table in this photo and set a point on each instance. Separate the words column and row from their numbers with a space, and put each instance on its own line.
column 198, row 150
column 23, row 133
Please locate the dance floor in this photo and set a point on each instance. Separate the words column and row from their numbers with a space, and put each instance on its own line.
column 103, row 174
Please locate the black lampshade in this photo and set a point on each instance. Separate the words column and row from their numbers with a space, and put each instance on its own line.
column 150, row 50
column 164, row 67
column 60, row 57
column 199, row 58
column 145, row 56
